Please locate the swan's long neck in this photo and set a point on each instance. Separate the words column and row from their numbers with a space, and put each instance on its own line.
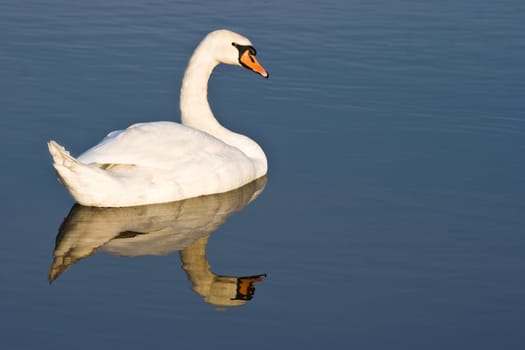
column 194, row 106
column 196, row 111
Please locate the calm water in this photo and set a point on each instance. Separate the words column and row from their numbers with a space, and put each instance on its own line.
column 392, row 215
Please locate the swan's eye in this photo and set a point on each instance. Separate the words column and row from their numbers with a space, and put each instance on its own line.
column 243, row 48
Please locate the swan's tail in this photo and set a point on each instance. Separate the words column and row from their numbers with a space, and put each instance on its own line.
column 83, row 181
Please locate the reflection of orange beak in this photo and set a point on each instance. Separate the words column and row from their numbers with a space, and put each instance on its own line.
column 249, row 61
column 245, row 285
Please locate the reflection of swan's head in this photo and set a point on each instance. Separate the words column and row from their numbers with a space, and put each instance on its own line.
column 218, row 290
column 231, row 48
column 232, row 291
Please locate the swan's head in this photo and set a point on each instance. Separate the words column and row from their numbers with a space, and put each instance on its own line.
column 231, row 48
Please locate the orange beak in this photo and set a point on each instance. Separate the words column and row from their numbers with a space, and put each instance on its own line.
column 249, row 61
column 245, row 286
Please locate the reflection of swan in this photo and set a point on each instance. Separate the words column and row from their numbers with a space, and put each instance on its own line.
column 160, row 229
column 165, row 161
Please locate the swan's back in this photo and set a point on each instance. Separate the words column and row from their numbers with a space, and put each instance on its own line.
column 161, row 145
column 152, row 163
column 191, row 156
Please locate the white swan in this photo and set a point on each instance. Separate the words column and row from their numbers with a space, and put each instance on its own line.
column 165, row 161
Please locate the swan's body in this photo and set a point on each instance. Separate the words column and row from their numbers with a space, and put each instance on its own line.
column 165, row 161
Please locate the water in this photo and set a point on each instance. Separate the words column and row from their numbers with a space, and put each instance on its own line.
column 392, row 216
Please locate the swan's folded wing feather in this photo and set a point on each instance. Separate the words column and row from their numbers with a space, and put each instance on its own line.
column 162, row 145
column 167, row 151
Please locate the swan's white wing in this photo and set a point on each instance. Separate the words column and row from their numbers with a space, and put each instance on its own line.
column 161, row 145
column 172, row 153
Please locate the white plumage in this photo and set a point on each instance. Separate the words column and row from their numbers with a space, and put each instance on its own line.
column 166, row 161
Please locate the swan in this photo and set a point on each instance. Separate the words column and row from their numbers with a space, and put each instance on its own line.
column 165, row 161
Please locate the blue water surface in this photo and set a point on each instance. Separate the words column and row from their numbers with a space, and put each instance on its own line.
column 393, row 211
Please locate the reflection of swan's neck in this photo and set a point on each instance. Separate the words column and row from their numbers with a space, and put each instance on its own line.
column 196, row 265
column 196, row 111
